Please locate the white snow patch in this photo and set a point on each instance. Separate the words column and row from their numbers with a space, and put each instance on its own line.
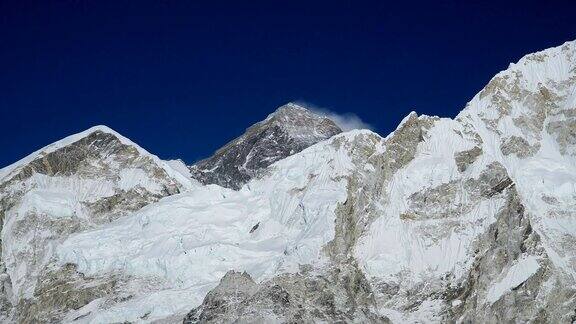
column 131, row 178
column 516, row 275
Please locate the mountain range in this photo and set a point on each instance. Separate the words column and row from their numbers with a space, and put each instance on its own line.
column 464, row 220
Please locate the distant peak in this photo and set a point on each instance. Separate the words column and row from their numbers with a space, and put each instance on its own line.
column 291, row 106
column 295, row 113
column 288, row 109
column 288, row 130
column 102, row 128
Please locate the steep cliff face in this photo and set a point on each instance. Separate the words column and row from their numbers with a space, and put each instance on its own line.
column 287, row 131
column 469, row 219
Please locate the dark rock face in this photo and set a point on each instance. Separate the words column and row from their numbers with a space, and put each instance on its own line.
column 287, row 131
column 60, row 291
column 336, row 295
column 78, row 156
column 465, row 158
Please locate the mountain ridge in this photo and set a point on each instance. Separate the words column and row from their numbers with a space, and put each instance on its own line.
column 468, row 219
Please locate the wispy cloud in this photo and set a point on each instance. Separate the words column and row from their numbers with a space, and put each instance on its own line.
column 346, row 121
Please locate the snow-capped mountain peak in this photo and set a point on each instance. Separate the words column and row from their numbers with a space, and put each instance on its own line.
column 94, row 139
column 289, row 130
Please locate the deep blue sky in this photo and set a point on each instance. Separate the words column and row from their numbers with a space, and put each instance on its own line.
column 181, row 78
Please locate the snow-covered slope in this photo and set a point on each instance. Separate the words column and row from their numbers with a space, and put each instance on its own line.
column 189, row 241
column 469, row 219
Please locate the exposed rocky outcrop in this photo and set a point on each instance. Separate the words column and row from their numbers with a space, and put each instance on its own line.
column 465, row 158
column 338, row 294
column 59, row 291
column 518, row 146
column 564, row 131
column 287, row 131
column 367, row 186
